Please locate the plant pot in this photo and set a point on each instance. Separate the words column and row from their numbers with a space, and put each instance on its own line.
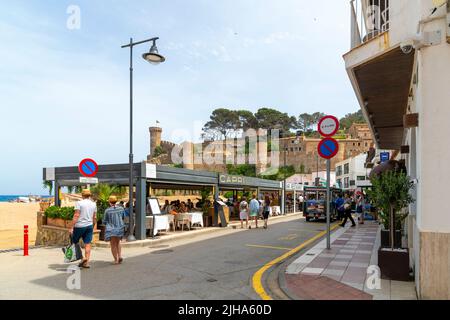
column 58, row 222
column 385, row 239
column 394, row 265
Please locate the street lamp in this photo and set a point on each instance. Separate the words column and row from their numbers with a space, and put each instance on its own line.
column 154, row 58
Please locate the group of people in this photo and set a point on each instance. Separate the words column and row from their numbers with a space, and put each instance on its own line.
column 177, row 206
column 85, row 219
column 253, row 210
column 344, row 204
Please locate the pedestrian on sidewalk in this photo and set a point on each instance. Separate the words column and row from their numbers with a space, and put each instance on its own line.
column 339, row 205
column 348, row 211
column 243, row 212
column 360, row 208
column 84, row 220
column 114, row 228
column 254, row 210
column 266, row 210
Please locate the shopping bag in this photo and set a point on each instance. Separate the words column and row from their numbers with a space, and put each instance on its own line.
column 72, row 252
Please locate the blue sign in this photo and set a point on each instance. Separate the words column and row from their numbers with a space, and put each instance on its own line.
column 384, row 156
column 328, row 148
column 88, row 168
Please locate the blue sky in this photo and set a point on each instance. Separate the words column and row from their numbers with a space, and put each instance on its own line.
column 64, row 93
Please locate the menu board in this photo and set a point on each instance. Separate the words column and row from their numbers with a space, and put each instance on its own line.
column 154, row 206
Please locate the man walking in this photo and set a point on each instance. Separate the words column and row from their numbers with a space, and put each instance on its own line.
column 254, row 210
column 348, row 211
column 83, row 224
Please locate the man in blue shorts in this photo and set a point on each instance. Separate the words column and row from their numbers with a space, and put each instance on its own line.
column 83, row 224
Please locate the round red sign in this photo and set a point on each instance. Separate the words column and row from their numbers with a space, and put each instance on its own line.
column 88, row 168
column 328, row 126
column 328, row 148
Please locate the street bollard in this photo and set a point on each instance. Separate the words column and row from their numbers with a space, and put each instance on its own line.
column 25, row 240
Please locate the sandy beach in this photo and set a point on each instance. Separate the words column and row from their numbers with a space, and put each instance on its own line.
column 13, row 216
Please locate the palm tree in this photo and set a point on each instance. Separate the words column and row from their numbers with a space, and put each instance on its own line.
column 48, row 185
column 101, row 192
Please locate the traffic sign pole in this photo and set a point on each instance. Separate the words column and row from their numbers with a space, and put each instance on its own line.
column 328, row 205
column 328, row 148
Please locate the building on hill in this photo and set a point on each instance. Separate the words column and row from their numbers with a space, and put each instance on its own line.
column 297, row 151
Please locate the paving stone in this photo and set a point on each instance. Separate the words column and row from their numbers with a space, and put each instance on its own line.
column 312, row 270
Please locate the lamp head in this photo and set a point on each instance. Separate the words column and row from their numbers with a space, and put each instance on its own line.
column 153, row 55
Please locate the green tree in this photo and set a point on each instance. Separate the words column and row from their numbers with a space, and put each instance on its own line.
column 101, row 193
column 391, row 193
column 248, row 170
column 316, row 116
column 270, row 119
column 351, row 118
column 158, row 151
column 223, row 121
column 48, row 185
column 305, row 121
column 247, row 120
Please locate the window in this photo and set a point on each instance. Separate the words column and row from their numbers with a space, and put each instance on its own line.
column 346, row 183
column 339, row 183
column 346, row 168
column 352, row 182
column 360, row 178
column 339, row 171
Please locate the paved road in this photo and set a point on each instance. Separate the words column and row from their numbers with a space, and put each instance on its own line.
column 218, row 266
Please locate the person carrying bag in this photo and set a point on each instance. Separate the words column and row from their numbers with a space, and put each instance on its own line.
column 72, row 252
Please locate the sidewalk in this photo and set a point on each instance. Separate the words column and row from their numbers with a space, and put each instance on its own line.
column 341, row 272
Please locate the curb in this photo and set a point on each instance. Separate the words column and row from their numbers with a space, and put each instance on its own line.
column 282, row 275
column 188, row 234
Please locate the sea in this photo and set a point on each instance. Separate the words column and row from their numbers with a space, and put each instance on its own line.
column 7, row 198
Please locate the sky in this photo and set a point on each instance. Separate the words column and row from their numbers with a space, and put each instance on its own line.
column 64, row 83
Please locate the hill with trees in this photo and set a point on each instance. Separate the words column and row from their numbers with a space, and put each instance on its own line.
column 225, row 123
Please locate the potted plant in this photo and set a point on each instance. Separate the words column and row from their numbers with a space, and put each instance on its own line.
column 206, row 206
column 391, row 193
column 59, row 217
column 384, row 217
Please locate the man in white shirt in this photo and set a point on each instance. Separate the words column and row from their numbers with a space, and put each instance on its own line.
column 83, row 224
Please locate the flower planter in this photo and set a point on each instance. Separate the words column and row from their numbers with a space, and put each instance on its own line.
column 58, row 222
column 394, row 265
column 385, row 239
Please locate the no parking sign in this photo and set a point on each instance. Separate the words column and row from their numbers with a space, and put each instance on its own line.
column 88, row 168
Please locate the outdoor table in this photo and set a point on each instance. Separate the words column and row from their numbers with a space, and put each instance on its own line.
column 276, row 210
column 196, row 218
column 161, row 223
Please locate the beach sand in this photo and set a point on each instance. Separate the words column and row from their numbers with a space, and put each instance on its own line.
column 13, row 216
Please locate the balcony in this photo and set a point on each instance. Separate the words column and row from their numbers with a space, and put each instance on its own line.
column 379, row 71
column 369, row 18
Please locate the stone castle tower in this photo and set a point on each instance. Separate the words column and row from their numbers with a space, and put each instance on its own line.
column 155, row 138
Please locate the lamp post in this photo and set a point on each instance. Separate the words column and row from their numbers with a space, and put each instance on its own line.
column 154, row 58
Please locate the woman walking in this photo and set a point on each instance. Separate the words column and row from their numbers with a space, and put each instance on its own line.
column 266, row 210
column 114, row 228
column 243, row 212
column 254, row 211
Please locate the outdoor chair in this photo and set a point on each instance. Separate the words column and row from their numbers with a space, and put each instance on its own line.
column 183, row 219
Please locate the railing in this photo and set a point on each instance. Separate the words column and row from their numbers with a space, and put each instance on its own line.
column 369, row 18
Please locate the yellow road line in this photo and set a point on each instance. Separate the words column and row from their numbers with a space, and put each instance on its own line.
column 291, row 236
column 257, row 277
column 267, row 247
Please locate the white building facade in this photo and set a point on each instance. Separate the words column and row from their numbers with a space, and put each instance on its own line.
column 399, row 67
column 351, row 171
